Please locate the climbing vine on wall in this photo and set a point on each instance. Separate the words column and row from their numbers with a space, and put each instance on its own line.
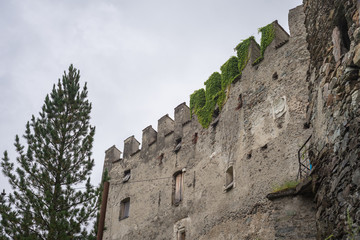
column 229, row 72
column 203, row 102
column 204, row 112
column 197, row 101
column 242, row 50
column 267, row 36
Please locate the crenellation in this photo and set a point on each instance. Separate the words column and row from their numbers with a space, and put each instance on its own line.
column 254, row 51
column 281, row 36
column 131, row 146
column 149, row 136
column 111, row 155
column 166, row 125
column 182, row 115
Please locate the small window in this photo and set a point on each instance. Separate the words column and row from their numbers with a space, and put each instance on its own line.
column 181, row 234
column 124, row 208
column 127, row 175
column 178, row 188
column 229, row 178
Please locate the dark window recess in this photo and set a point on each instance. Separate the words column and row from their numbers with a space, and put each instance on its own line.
column 178, row 145
column 275, row 76
column 216, row 112
column 160, row 158
column 181, row 234
column 344, row 33
column 240, row 102
column 124, row 208
column 127, row 175
column 195, row 138
column 342, row 24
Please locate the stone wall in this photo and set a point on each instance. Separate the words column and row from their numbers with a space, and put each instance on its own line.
column 334, row 114
column 253, row 141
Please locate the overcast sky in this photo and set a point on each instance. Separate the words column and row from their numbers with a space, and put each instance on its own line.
column 140, row 58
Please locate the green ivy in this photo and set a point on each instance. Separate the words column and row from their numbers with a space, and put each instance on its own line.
column 203, row 103
column 197, row 101
column 213, row 86
column 229, row 72
column 267, row 36
column 243, row 53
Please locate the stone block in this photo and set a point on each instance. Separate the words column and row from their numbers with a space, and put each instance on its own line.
column 356, row 177
column 336, row 39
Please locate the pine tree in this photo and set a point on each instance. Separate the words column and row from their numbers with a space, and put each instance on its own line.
column 52, row 196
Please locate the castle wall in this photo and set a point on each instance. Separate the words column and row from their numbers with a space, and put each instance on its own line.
column 333, row 112
column 256, row 137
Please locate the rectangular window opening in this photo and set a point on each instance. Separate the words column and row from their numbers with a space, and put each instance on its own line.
column 124, row 208
column 181, row 234
column 178, row 188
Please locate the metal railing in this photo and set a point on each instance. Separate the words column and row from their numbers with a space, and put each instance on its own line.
column 304, row 160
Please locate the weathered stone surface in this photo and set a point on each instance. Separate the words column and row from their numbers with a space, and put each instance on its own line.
column 272, row 115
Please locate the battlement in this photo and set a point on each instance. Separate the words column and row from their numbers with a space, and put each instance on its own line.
column 182, row 116
column 166, row 127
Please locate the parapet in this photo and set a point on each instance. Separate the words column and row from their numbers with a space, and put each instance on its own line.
column 131, row 146
column 149, row 136
column 182, row 116
column 281, row 36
